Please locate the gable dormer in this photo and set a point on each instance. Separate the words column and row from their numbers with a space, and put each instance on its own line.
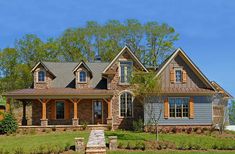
column 83, row 75
column 42, row 76
column 119, row 71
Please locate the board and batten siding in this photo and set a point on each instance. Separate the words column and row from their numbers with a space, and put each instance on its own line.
column 202, row 112
column 192, row 79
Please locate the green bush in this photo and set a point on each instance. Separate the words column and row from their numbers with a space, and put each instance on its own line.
column 138, row 125
column 8, row 124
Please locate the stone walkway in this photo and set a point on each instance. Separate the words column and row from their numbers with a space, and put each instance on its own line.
column 96, row 142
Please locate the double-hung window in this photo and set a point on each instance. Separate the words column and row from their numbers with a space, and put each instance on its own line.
column 41, row 76
column 179, row 107
column 125, row 71
column 82, row 76
column 178, row 75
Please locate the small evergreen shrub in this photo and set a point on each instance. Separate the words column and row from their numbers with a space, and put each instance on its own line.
column 138, row 125
column 9, row 124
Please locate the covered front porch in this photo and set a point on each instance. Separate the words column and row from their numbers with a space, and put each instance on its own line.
column 92, row 107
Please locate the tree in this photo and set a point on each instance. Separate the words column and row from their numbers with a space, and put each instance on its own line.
column 145, row 86
column 160, row 41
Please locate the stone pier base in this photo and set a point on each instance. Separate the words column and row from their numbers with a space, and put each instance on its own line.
column 112, row 142
column 79, row 145
column 75, row 122
column 44, row 122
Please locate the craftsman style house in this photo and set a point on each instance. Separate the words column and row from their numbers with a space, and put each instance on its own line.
column 98, row 93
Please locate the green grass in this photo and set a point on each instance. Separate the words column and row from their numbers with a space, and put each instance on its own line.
column 205, row 141
column 29, row 142
column 172, row 152
column 2, row 101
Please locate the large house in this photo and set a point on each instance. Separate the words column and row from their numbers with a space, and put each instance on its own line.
column 98, row 93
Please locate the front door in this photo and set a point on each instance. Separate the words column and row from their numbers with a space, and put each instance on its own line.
column 97, row 112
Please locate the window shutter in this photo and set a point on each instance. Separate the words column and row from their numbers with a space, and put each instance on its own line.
column 191, row 108
column 67, row 110
column 53, row 110
column 184, row 74
column 166, row 108
column 172, row 75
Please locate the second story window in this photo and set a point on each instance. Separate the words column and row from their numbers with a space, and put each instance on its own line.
column 125, row 71
column 41, row 76
column 178, row 75
column 82, row 76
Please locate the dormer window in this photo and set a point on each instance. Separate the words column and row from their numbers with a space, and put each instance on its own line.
column 125, row 72
column 41, row 76
column 82, row 77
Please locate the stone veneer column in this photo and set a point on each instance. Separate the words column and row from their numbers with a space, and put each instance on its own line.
column 44, row 120
column 79, row 144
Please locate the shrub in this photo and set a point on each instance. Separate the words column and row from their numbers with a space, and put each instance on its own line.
column 8, row 124
column 84, row 125
column 32, row 131
column 140, row 146
column 53, row 128
column 121, row 145
column 189, row 130
column 19, row 150
column 138, row 125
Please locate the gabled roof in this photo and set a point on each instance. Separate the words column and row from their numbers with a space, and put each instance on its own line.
column 84, row 64
column 221, row 90
column 180, row 52
column 132, row 55
column 44, row 66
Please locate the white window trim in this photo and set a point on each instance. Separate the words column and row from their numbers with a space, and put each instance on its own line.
column 59, row 101
column 175, row 109
column 79, row 76
column 119, row 102
column 45, row 77
column 178, row 69
column 119, row 73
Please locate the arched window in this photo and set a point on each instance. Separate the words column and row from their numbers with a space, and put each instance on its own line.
column 82, row 76
column 41, row 76
column 126, row 104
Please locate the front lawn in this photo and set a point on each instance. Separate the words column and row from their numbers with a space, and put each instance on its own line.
column 30, row 142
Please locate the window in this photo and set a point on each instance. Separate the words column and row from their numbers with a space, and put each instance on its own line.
column 178, row 75
column 41, row 76
column 59, row 110
column 125, row 71
column 126, row 105
column 179, row 107
column 82, row 76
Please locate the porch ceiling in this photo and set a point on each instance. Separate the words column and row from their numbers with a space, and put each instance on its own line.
column 59, row 93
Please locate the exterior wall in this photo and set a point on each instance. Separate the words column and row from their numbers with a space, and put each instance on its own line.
column 42, row 85
column 192, row 80
column 118, row 121
column 202, row 113
column 86, row 84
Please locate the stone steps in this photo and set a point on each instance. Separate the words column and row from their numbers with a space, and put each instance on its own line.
column 96, row 143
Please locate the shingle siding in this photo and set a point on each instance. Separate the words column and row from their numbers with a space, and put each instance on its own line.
column 203, row 113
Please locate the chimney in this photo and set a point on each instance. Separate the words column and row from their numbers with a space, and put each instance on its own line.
column 97, row 58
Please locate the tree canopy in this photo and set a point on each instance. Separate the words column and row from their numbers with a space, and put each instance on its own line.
column 151, row 42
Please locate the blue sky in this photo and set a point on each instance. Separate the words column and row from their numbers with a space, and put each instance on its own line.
column 206, row 28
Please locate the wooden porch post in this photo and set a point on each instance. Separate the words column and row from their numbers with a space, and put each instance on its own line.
column 8, row 105
column 109, row 109
column 110, row 116
column 24, row 119
column 44, row 120
column 75, row 111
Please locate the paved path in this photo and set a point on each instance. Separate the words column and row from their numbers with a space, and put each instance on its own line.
column 96, row 142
